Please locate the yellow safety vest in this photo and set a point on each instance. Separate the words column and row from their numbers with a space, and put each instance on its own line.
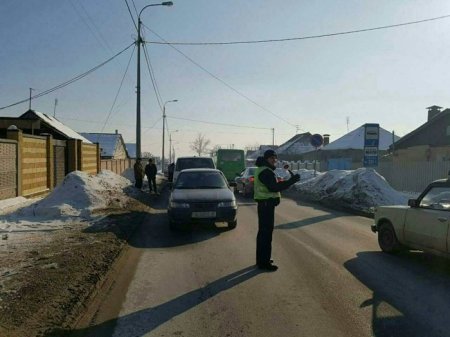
column 261, row 192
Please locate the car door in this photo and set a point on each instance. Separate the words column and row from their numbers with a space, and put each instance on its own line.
column 427, row 225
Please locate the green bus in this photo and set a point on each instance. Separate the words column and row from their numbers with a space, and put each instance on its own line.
column 231, row 162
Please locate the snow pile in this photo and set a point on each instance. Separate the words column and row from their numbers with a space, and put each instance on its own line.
column 79, row 195
column 361, row 189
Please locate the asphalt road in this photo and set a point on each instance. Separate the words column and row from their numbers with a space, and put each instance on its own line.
column 332, row 281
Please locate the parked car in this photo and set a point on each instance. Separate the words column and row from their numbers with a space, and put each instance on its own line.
column 201, row 195
column 423, row 224
column 244, row 182
column 192, row 162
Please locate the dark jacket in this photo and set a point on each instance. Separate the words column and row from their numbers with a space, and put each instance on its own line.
column 150, row 170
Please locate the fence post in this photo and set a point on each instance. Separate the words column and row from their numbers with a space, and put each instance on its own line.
column 17, row 135
column 79, row 155
column 50, row 162
column 72, row 155
column 98, row 158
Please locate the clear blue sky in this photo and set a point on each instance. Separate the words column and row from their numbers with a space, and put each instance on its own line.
column 387, row 76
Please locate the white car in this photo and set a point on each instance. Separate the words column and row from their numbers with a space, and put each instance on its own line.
column 423, row 224
column 184, row 163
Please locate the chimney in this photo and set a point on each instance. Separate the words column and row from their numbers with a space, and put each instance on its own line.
column 117, row 132
column 433, row 111
column 326, row 139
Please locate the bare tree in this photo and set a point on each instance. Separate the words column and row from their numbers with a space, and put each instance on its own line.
column 200, row 144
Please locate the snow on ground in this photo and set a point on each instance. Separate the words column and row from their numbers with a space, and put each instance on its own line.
column 361, row 189
column 80, row 196
column 77, row 197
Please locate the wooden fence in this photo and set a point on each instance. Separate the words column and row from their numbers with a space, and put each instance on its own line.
column 32, row 165
column 117, row 166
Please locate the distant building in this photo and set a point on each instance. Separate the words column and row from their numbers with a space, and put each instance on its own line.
column 347, row 152
column 112, row 145
column 36, row 123
column 429, row 142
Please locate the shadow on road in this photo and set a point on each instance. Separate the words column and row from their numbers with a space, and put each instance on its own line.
column 307, row 222
column 411, row 296
column 141, row 322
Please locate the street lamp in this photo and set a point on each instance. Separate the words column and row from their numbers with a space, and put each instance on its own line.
column 170, row 144
column 139, row 41
column 164, row 127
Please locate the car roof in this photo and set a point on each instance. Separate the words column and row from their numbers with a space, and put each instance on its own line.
column 200, row 170
column 194, row 157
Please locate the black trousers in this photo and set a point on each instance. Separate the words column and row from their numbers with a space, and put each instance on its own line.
column 266, row 220
column 152, row 181
column 138, row 182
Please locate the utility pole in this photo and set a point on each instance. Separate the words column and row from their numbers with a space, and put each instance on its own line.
column 139, row 41
column 273, row 136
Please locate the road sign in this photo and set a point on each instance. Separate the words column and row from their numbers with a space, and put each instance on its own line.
column 316, row 140
column 371, row 142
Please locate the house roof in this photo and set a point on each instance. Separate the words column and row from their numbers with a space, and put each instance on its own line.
column 300, row 143
column 413, row 133
column 355, row 140
column 261, row 150
column 54, row 124
column 131, row 149
column 109, row 142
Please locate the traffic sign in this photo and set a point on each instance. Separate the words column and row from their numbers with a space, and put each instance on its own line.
column 316, row 140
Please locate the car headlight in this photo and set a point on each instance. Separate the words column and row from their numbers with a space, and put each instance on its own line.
column 231, row 203
column 176, row 204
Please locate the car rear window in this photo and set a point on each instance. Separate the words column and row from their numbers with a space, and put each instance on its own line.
column 188, row 163
column 200, row 180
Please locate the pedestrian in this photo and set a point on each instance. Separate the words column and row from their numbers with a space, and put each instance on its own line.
column 267, row 195
column 170, row 170
column 138, row 173
column 150, row 172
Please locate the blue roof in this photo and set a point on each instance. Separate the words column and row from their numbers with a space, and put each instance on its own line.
column 109, row 142
column 131, row 149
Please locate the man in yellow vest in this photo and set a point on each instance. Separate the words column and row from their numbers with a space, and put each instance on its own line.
column 267, row 195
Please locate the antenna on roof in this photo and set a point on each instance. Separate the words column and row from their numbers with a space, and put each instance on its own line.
column 347, row 119
column 54, row 108
column 29, row 104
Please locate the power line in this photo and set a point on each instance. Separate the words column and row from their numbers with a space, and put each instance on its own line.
column 217, row 123
column 153, row 78
column 301, row 37
column 118, row 91
column 74, row 79
column 220, row 80
column 131, row 14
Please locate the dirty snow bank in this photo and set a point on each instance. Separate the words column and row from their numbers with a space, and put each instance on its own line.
column 361, row 189
column 79, row 195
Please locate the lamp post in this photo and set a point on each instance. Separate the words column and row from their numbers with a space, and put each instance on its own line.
column 170, row 145
column 163, row 133
column 139, row 41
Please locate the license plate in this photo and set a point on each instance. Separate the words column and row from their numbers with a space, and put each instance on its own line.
column 203, row 214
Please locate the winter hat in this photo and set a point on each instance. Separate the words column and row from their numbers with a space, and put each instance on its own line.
column 270, row 153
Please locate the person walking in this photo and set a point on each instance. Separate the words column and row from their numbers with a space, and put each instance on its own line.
column 170, row 170
column 138, row 173
column 267, row 195
column 150, row 172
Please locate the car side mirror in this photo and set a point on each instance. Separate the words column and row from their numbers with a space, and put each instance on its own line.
column 412, row 202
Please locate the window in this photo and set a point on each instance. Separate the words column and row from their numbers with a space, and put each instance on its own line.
column 437, row 198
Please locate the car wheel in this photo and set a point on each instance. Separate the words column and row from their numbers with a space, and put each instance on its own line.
column 387, row 239
column 232, row 224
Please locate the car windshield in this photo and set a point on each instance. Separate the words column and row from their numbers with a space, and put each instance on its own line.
column 200, row 180
column 437, row 198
